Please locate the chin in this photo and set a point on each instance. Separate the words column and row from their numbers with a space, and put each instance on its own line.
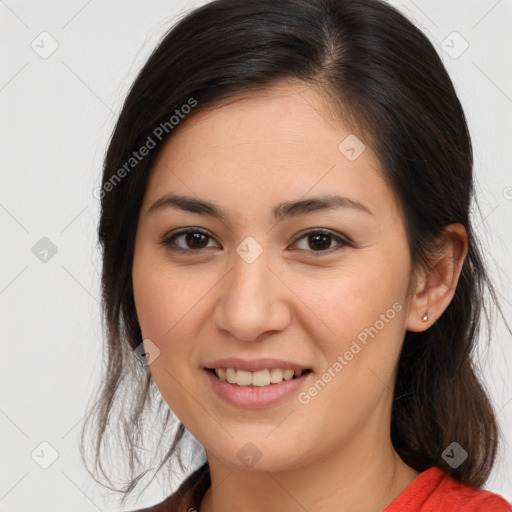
column 259, row 455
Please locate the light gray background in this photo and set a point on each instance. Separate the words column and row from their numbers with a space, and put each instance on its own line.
column 57, row 114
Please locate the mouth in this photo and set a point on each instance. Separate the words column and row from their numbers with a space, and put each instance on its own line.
column 262, row 378
column 253, row 390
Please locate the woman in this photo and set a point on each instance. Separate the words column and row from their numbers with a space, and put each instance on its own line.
column 287, row 246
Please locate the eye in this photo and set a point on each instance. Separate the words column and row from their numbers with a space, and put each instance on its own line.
column 196, row 239
column 320, row 240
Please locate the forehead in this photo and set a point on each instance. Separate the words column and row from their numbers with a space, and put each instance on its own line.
column 285, row 113
column 278, row 144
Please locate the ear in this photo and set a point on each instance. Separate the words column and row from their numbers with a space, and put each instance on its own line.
column 436, row 286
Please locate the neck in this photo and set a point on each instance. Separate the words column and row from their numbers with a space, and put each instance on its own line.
column 360, row 475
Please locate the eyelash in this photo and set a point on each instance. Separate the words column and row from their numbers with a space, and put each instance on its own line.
column 169, row 239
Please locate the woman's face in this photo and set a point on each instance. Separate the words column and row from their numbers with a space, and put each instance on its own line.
column 260, row 286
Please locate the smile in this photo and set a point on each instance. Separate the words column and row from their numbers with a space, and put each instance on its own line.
column 260, row 378
column 259, row 395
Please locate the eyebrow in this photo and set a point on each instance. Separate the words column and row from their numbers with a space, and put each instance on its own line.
column 280, row 212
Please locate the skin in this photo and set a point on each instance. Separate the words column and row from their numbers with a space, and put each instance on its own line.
column 297, row 301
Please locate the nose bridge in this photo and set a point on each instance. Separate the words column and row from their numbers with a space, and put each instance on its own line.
column 250, row 303
column 250, row 272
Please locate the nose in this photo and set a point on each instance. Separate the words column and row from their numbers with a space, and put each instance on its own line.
column 253, row 301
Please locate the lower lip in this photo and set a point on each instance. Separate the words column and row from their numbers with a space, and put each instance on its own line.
column 255, row 397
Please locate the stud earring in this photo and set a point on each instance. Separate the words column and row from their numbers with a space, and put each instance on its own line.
column 425, row 316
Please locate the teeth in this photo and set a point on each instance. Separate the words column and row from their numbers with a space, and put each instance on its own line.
column 231, row 375
column 276, row 375
column 259, row 378
column 243, row 378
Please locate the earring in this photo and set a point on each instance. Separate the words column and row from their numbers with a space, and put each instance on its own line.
column 425, row 317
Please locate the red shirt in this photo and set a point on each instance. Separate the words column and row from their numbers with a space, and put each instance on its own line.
column 436, row 491
column 431, row 491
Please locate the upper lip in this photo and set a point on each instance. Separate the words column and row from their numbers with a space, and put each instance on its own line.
column 255, row 364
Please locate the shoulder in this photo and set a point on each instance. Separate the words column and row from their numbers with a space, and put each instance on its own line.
column 154, row 508
column 188, row 496
column 470, row 499
column 167, row 505
column 437, row 491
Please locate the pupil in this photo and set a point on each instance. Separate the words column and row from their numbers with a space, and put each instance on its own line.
column 321, row 237
column 195, row 238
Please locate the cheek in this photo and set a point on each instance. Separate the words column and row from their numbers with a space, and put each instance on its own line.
column 158, row 311
column 360, row 358
column 358, row 301
column 365, row 312
column 164, row 298
column 169, row 310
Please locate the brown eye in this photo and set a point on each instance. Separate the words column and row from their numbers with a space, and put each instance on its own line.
column 195, row 240
column 191, row 240
column 320, row 241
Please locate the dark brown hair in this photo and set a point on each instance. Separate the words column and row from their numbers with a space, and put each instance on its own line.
column 383, row 75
